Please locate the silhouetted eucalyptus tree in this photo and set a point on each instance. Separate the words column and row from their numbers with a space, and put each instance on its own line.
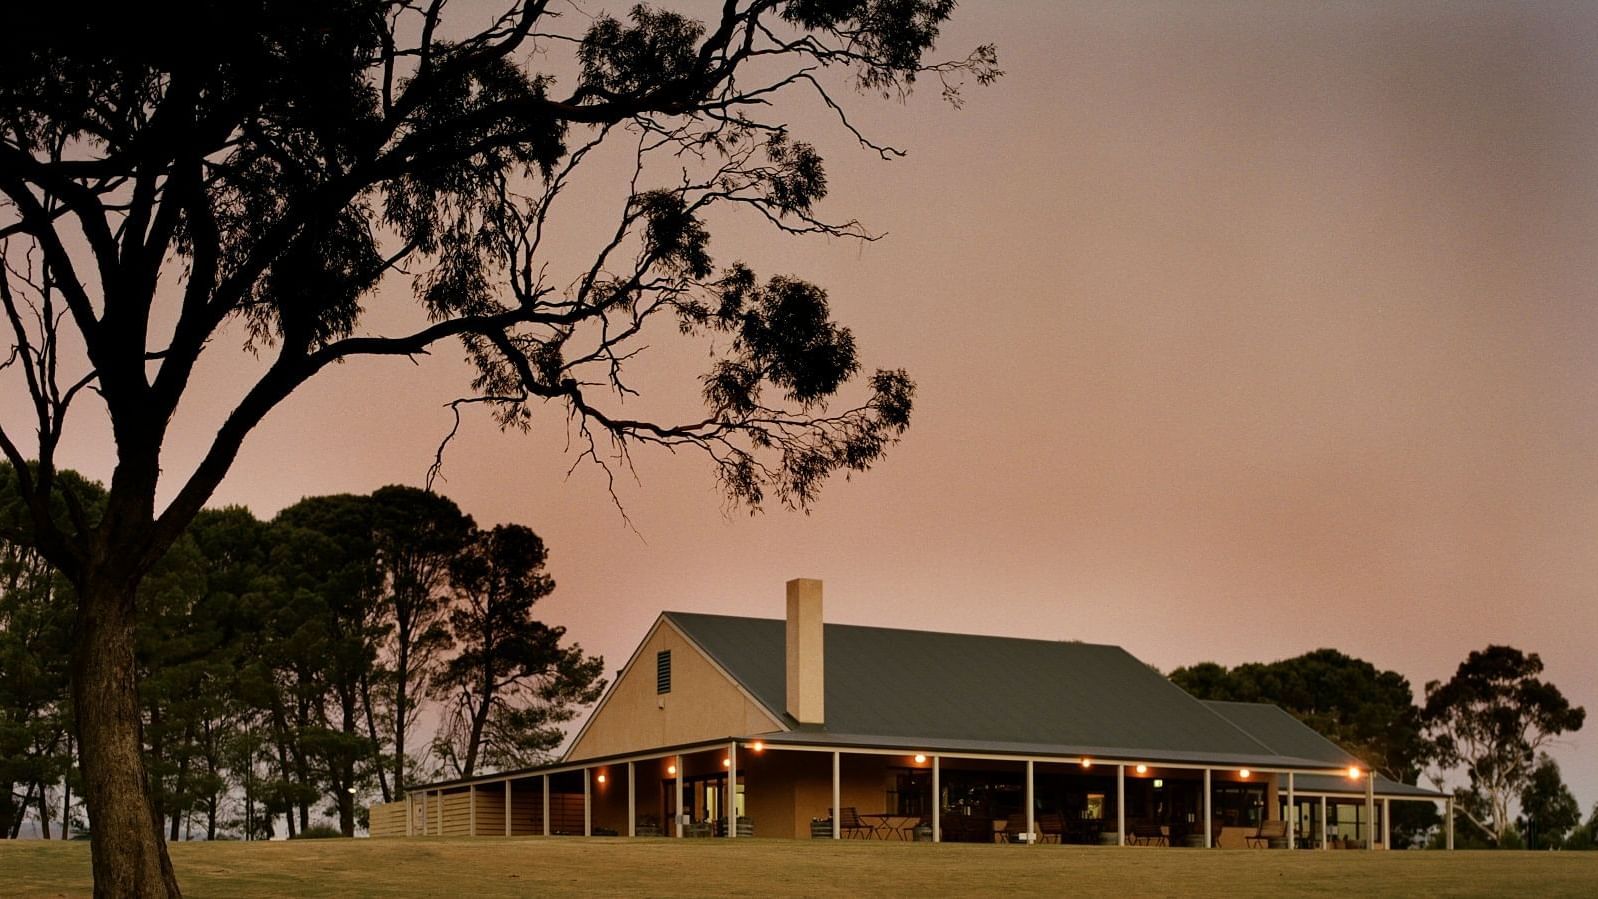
column 1492, row 718
column 273, row 172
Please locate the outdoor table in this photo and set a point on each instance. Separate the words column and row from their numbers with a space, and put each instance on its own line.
column 890, row 825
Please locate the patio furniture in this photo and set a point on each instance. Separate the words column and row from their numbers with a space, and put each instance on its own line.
column 1051, row 824
column 647, row 826
column 890, row 826
column 820, row 828
column 1147, row 833
column 1015, row 830
column 697, row 829
column 854, row 826
column 954, row 827
column 1269, row 831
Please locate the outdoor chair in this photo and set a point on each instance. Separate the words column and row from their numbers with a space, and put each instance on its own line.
column 1268, row 831
column 1015, row 829
column 647, row 826
column 1051, row 824
column 1147, row 833
column 854, row 826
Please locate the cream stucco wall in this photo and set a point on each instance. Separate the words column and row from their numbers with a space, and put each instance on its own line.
column 704, row 704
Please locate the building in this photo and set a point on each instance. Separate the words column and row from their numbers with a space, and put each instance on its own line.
column 786, row 726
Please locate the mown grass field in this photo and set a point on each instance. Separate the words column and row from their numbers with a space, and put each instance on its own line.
column 717, row 868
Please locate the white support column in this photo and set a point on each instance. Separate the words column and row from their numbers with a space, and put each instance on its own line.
column 1292, row 814
column 1387, row 828
column 1448, row 825
column 1209, row 838
column 546, row 805
column 588, row 803
column 426, row 821
column 937, row 800
column 837, row 796
column 1031, row 832
column 1325, row 842
column 410, row 817
column 1370, row 810
column 678, row 787
column 440, row 812
column 507, row 807
column 471, row 809
column 1120, row 805
column 732, row 789
column 632, row 800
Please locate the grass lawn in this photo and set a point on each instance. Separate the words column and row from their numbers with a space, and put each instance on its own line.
column 657, row 867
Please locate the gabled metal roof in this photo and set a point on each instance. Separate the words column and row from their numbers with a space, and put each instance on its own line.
column 894, row 687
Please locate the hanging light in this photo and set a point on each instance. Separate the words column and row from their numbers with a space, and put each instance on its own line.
column 1087, row 763
column 1353, row 772
column 759, row 746
column 1142, row 769
column 921, row 759
column 726, row 763
column 671, row 769
column 1243, row 774
column 600, row 778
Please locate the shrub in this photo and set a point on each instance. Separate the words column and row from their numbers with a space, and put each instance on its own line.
column 320, row 832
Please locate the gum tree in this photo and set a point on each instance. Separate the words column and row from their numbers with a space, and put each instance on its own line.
column 162, row 194
column 1492, row 718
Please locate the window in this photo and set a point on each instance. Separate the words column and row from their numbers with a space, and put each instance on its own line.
column 1239, row 805
column 663, row 671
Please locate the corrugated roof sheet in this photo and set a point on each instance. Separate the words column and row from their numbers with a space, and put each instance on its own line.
column 981, row 690
column 1282, row 733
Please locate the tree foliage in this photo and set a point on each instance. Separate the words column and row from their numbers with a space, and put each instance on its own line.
column 1491, row 719
column 511, row 684
column 1548, row 811
column 257, row 641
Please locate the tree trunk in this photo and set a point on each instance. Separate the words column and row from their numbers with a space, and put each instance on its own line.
column 66, row 793
column 402, row 674
column 377, row 743
column 180, row 801
column 22, row 814
column 44, row 811
column 5, row 808
column 129, row 856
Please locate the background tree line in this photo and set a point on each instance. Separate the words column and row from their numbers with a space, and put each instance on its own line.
column 285, row 665
column 1486, row 730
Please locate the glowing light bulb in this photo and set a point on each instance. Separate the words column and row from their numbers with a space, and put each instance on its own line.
column 671, row 769
column 600, row 778
column 1243, row 774
column 1353, row 772
column 726, row 763
column 920, row 759
column 1142, row 769
column 1087, row 763
column 759, row 746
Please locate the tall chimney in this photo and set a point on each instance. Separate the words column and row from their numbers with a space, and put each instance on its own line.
column 807, row 684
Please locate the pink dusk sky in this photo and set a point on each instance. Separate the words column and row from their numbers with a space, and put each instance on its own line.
column 1240, row 329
